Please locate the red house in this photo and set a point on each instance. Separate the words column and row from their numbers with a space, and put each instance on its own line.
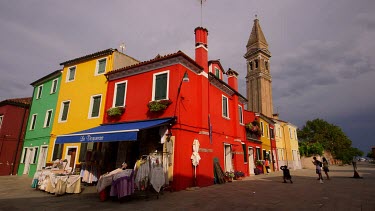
column 183, row 100
column 13, row 121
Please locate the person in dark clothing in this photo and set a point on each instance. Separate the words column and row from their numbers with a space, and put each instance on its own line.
column 286, row 174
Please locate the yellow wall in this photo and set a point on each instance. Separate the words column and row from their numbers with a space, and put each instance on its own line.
column 79, row 92
column 265, row 138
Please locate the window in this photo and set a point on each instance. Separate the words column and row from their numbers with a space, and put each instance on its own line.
column 225, row 111
column 57, row 151
column 267, row 131
column 23, row 156
column 217, row 72
column 33, row 121
column 95, row 106
column 39, row 92
column 35, row 154
column 160, row 86
column 280, row 132
column 71, row 74
column 100, row 66
column 290, row 134
column 251, row 65
column 1, row 120
column 295, row 134
column 256, row 63
column 240, row 117
column 266, row 65
column 54, row 86
column 244, row 153
column 261, row 127
column 120, row 94
column 47, row 120
column 64, row 111
column 258, row 157
column 271, row 133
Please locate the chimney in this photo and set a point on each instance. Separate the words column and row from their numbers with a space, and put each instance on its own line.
column 201, row 49
column 275, row 116
column 232, row 79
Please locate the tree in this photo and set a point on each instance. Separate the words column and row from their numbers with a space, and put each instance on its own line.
column 330, row 137
column 370, row 155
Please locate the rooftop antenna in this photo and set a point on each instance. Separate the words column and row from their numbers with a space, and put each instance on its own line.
column 201, row 2
column 122, row 47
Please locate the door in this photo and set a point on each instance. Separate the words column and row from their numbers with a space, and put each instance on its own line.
column 42, row 157
column 251, row 160
column 70, row 156
column 29, row 156
column 228, row 157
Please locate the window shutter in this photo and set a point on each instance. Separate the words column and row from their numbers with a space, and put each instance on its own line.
column 101, row 66
column 72, row 72
column 120, row 94
column 95, row 106
column 64, row 115
column 161, row 87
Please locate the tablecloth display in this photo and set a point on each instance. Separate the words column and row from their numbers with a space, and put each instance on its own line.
column 57, row 184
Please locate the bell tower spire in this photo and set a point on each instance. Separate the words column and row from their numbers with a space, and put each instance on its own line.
column 258, row 78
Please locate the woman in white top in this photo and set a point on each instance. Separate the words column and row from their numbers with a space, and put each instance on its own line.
column 318, row 167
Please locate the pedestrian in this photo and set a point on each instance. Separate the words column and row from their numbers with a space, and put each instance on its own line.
column 325, row 167
column 267, row 164
column 354, row 162
column 286, row 174
column 318, row 169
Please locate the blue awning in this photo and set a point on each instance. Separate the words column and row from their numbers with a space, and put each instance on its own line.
column 111, row 132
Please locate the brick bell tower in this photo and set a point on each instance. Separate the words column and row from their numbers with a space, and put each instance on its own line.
column 258, row 78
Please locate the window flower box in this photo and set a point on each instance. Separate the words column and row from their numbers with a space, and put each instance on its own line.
column 254, row 128
column 115, row 111
column 158, row 105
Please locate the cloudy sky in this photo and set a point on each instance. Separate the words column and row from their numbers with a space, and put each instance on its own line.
column 322, row 64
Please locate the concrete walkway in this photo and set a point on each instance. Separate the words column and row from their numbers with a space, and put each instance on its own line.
column 261, row 192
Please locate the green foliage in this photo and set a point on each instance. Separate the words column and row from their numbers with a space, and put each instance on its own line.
column 370, row 155
column 158, row 105
column 115, row 111
column 254, row 128
column 318, row 135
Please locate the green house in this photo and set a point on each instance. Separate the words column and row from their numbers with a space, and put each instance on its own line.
column 39, row 125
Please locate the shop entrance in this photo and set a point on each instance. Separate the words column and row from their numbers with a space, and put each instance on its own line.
column 251, row 160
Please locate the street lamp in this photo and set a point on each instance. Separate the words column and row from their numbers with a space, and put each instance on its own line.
column 185, row 78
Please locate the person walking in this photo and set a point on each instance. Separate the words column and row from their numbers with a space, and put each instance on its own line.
column 325, row 167
column 318, row 168
column 267, row 164
column 286, row 174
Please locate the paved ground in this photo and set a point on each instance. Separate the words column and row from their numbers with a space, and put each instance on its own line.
column 261, row 192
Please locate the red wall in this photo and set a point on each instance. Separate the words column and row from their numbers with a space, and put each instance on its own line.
column 12, row 134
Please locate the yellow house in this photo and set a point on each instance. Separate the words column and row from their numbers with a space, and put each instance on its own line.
column 287, row 144
column 81, row 99
column 266, row 125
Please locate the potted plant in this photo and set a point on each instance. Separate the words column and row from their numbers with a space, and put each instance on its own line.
column 254, row 128
column 238, row 175
column 229, row 176
column 115, row 111
column 158, row 105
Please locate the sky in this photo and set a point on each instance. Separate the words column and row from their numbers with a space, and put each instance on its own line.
column 322, row 63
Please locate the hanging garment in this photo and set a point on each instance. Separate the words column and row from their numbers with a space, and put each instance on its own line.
column 157, row 179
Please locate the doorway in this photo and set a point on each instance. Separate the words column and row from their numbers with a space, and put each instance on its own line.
column 42, row 157
column 251, row 160
column 228, row 158
column 70, row 156
column 28, row 158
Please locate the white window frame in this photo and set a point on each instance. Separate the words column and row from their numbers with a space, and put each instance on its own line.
column 68, row 73
column 23, row 155
column 1, row 120
column 92, row 104
column 33, row 121
column 35, row 154
column 240, row 111
column 46, row 118
column 62, row 110
column 97, row 66
column 222, row 106
column 154, row 85
column 290, row 133
column 115, row 93
column 295, row 134
column 39, row 92
column 54, row 84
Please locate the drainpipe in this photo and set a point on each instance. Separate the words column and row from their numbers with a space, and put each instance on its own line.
column 18, row 141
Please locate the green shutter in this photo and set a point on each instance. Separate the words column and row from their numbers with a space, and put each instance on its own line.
column 101, row 66
column 161, row 87
column 64, row 115
column 120, row 94
column 96, row 106
column 72, row 72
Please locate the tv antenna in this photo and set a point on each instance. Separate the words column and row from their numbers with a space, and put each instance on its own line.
column 201, row 2
column 122, row 47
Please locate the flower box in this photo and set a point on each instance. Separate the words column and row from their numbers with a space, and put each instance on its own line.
column 158, row 105
column 115, row 111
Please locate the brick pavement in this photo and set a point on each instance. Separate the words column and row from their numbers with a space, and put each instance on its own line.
column 261, row 192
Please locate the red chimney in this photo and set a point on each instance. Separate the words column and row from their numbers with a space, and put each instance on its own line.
column 201, row 49
column 232, row 79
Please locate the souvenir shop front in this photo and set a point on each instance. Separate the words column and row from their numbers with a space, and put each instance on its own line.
column 144, row 147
